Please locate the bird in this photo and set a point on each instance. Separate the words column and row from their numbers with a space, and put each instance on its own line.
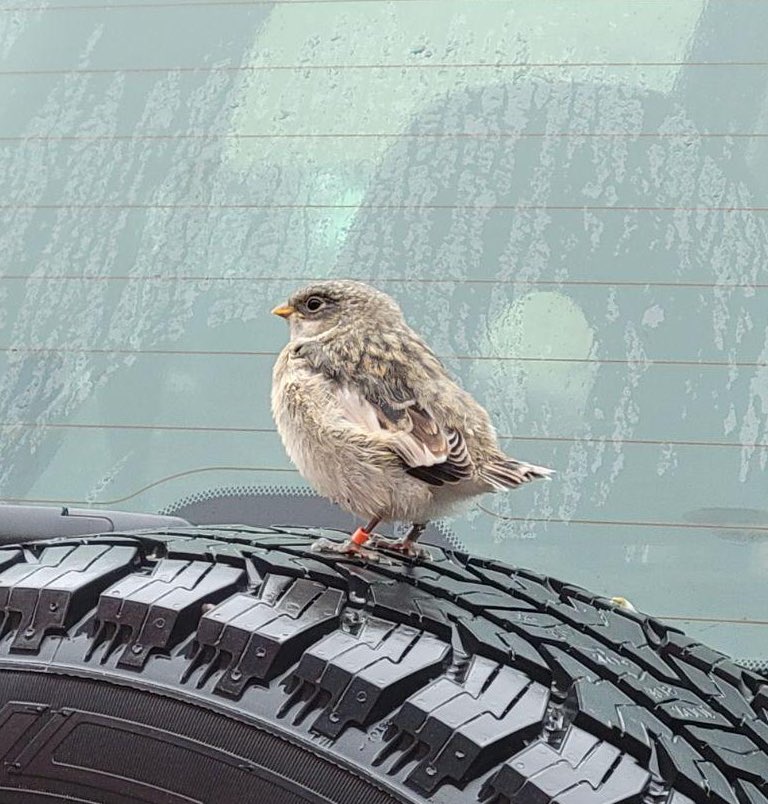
column 373, row 420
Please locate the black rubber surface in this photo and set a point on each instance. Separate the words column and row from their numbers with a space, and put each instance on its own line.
column 234, row 665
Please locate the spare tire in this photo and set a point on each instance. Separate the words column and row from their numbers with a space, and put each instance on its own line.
column 234, row 665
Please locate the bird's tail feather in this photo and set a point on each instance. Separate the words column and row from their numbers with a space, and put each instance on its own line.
column 508, row 474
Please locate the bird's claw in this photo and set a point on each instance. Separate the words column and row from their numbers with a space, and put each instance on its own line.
column 348, row 548
column 407, row 547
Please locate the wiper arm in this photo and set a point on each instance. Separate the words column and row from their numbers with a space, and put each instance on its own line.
column 23, row 523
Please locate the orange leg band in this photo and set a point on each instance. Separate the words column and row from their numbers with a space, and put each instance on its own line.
column 360, row 537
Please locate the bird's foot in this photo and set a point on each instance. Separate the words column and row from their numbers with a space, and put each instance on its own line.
column 354, row 546
column 406, row 546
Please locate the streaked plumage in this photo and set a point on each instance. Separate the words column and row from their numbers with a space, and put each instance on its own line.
column 370, row 416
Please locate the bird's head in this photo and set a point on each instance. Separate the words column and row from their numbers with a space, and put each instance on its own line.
column 320, row 307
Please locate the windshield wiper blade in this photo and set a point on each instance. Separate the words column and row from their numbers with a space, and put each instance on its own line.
column 23, row 523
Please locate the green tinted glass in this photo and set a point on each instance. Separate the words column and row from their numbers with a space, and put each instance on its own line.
column 568, row 197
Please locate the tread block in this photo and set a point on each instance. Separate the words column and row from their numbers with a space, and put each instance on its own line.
column 618, row 668
column 604, row 709
column 689, row 772
column 469, row 726
column 600, row 705
column 696, row 677
column 53, row 592
column 413, row 607
column 750, row 794
column 733, row 750
column 297, row 565
column 203, row 550
column 718, row 690
column 362, row 676
column 574, row 616
column 584, row 770
column 540, row 627
column 263, row 635
column 153, row 612
column 480, row 637
column 758, row 731
column 678, row 644
column 731, row 701
column 568, row 669
column 506, row 578
column 472, row 594
column 688, row 708
column 740, row 677
column 614, row 628
column 678, row 798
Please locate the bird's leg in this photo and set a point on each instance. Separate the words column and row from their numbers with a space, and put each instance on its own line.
column 354, row 545
column 407, row 545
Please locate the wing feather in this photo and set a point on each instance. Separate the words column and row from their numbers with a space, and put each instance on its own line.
column 430, row 453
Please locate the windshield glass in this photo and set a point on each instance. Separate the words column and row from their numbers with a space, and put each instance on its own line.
column 568, row 199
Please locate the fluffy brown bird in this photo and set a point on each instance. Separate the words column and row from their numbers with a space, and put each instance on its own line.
column 373, row 420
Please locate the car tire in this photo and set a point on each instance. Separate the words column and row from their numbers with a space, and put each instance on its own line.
column 235, row 665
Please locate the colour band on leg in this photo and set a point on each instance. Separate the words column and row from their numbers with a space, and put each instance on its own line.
column 360, row 537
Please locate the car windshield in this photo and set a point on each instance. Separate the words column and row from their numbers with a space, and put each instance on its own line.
column 567, row 198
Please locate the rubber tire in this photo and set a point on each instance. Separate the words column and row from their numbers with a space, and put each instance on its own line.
column 235, row 665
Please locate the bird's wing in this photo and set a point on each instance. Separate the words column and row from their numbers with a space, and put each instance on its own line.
column 431, row 453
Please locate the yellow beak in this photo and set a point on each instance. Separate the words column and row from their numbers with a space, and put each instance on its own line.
column 284, row 310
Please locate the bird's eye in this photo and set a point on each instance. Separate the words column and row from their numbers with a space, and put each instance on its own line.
column 314, row 303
